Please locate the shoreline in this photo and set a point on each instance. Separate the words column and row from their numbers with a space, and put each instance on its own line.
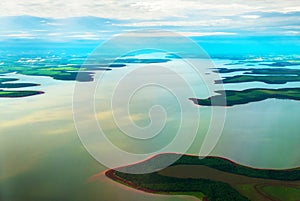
column 213, row 172
column 110, row 173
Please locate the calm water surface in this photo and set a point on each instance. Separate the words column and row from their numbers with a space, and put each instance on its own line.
column 42, row 157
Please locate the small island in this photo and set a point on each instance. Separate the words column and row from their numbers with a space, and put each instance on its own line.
column 4, row 84
column 211, row 178
column 18, row 94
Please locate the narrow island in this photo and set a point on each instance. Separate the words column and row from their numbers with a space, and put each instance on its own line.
column 234, row 97
column 6, row 83
column 18, row 94
column 265, row 79
column 262, row 61
column 266, row 75
column 212, row 178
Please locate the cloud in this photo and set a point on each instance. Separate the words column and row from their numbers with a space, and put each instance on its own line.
column 175, row 34
column 207, row 33
column 113, row 16
column 18, row 35
column 142, row 10
column 181, row 23
column 86, row 35
column 250, row 16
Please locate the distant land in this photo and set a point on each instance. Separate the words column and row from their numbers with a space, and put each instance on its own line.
column 211, row 178
column 67, row 69
column 266, row 75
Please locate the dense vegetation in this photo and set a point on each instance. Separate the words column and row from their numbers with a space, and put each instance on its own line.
column 228, row 166
column 15, row 94
column 144, row 61
column 74, row 71
column 265, row 79
column 214, row 191
column 272, row 62
column 3, row 83
column 58, row 73
column 265, row 71
column 247, row 96
column 266, row 75
column 18, row 94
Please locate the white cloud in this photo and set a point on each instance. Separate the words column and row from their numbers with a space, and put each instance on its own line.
column 189, row 16
column 84, row 36
column 292, row 33
column 18, row 35
column 77, row 35
column 142, row 10
column 55, row 34
column 205, row 22
column 54, row 24
column 207, row 33
column 175, row 34
column 250, row 16
column 291, row 9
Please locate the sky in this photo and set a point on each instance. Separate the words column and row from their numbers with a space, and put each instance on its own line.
column 59, row 18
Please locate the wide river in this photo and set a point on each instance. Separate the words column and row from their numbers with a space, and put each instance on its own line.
column 42, row 157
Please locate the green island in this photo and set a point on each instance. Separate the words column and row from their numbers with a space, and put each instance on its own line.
column 283, row 63
column 262, row 61
column 72, row 71
column 58, row 73
column 234, row 97
column 66, row 72
column 3, row 83
column 266, row 71
column 144, row 61
column 18, row 94
column 265, row 79
column 266, row 75
column 211, row 178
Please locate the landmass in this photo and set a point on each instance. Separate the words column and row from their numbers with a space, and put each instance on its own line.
column 66, row 72
column 78, row 72
column 211, row 178
column 18, row 94
column 58, row 73
column 266, row 71
column 282, row 64
column 234, row 97
column 144, row 61
column 264, row 61
column 4, row 84
column 265, row 79
column 266, row 75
